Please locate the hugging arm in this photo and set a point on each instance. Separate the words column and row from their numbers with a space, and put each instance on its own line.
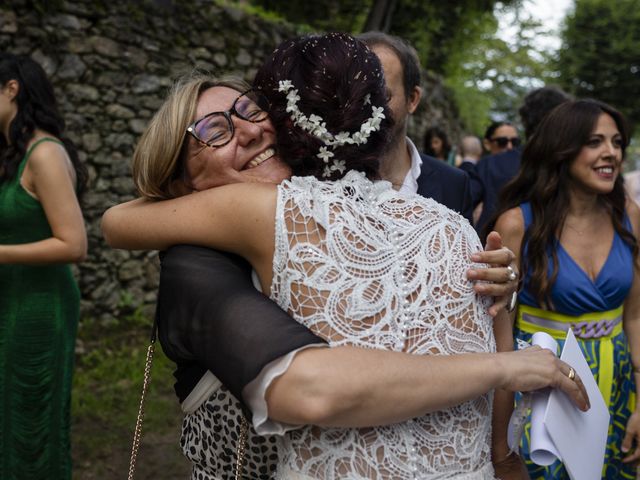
column 354, row 387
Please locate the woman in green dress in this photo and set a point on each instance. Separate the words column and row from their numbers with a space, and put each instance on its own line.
column 41, row 232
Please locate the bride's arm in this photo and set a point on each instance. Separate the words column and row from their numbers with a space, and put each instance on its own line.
column 238, row 218
column 406, row 386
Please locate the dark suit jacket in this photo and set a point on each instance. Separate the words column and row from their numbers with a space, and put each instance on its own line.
column 487, row 179
column 446, row 185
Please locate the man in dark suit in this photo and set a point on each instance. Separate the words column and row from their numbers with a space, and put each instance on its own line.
column 492, row 173
column 402, row 164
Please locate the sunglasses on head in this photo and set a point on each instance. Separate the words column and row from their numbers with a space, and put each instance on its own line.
column 504, row 141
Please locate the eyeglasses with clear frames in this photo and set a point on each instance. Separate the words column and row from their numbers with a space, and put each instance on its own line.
column 216, row 129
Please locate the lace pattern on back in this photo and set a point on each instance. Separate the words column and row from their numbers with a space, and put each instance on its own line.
column 361, row 265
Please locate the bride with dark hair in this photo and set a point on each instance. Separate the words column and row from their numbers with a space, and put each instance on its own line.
column 353, row 260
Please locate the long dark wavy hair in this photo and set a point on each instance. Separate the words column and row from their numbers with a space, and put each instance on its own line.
column 543, row 180
column 337, row 78
column 37, row 108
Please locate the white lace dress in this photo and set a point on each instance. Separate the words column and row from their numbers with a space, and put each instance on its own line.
column 360, row 264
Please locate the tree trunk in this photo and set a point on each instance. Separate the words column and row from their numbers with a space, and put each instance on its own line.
column 380, row 15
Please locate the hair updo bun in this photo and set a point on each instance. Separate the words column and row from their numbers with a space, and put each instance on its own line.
column 339, row 80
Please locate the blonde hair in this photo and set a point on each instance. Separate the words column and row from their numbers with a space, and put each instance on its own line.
column 158, row 158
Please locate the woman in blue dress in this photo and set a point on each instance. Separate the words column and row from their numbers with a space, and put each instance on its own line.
column 567, row 214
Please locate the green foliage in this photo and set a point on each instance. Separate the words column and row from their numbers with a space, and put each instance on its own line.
column 434, row 27
column 327, row 15
column 490, row 76
column 599, row 57
column 440, row 29
column 456, row 39
column 473, row 105
column 253, row 9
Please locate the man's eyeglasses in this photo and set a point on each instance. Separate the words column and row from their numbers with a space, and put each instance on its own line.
column 504, row 141
column 216, row 129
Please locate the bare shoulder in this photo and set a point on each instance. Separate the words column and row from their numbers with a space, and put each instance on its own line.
column 511, row 223
column 48, row 155
column 48, row 162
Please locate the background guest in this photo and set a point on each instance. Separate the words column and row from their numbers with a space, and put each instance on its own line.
column 470, row 149
column 500, row 137
column 437, row 145
column 41, row 232
column 494, row 171
column 576, row 234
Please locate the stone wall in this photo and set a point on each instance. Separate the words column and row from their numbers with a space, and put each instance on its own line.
column 111, row 64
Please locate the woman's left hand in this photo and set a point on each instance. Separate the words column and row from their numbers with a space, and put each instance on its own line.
column 631, row 440
column 497, row 280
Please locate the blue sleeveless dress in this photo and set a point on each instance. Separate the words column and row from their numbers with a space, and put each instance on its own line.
column 574, row 294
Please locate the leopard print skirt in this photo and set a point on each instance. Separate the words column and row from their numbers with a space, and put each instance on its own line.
column 209, row 440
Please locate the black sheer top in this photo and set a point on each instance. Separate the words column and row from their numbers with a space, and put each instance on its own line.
column 210, row 317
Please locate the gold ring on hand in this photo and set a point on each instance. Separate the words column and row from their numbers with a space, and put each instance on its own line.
column 572, row 374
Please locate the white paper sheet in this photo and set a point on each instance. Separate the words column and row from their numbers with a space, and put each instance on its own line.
column 543, row 451
column 579, row 437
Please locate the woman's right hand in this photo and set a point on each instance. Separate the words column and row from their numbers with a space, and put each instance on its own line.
column 535, row 368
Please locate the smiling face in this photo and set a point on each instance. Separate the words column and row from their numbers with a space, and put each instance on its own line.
column 597, row 166
column 250, row 156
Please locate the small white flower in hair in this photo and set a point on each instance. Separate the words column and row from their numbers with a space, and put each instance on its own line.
column 324, row 154
column 367, row 99
column 377, row 112
column 343, row 138
column 339, row 165
column 284, row 85
column 367, row 128
column 359, row 138
column 293, row 97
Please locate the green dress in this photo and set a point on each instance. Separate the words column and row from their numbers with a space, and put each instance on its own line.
column 39, row 311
